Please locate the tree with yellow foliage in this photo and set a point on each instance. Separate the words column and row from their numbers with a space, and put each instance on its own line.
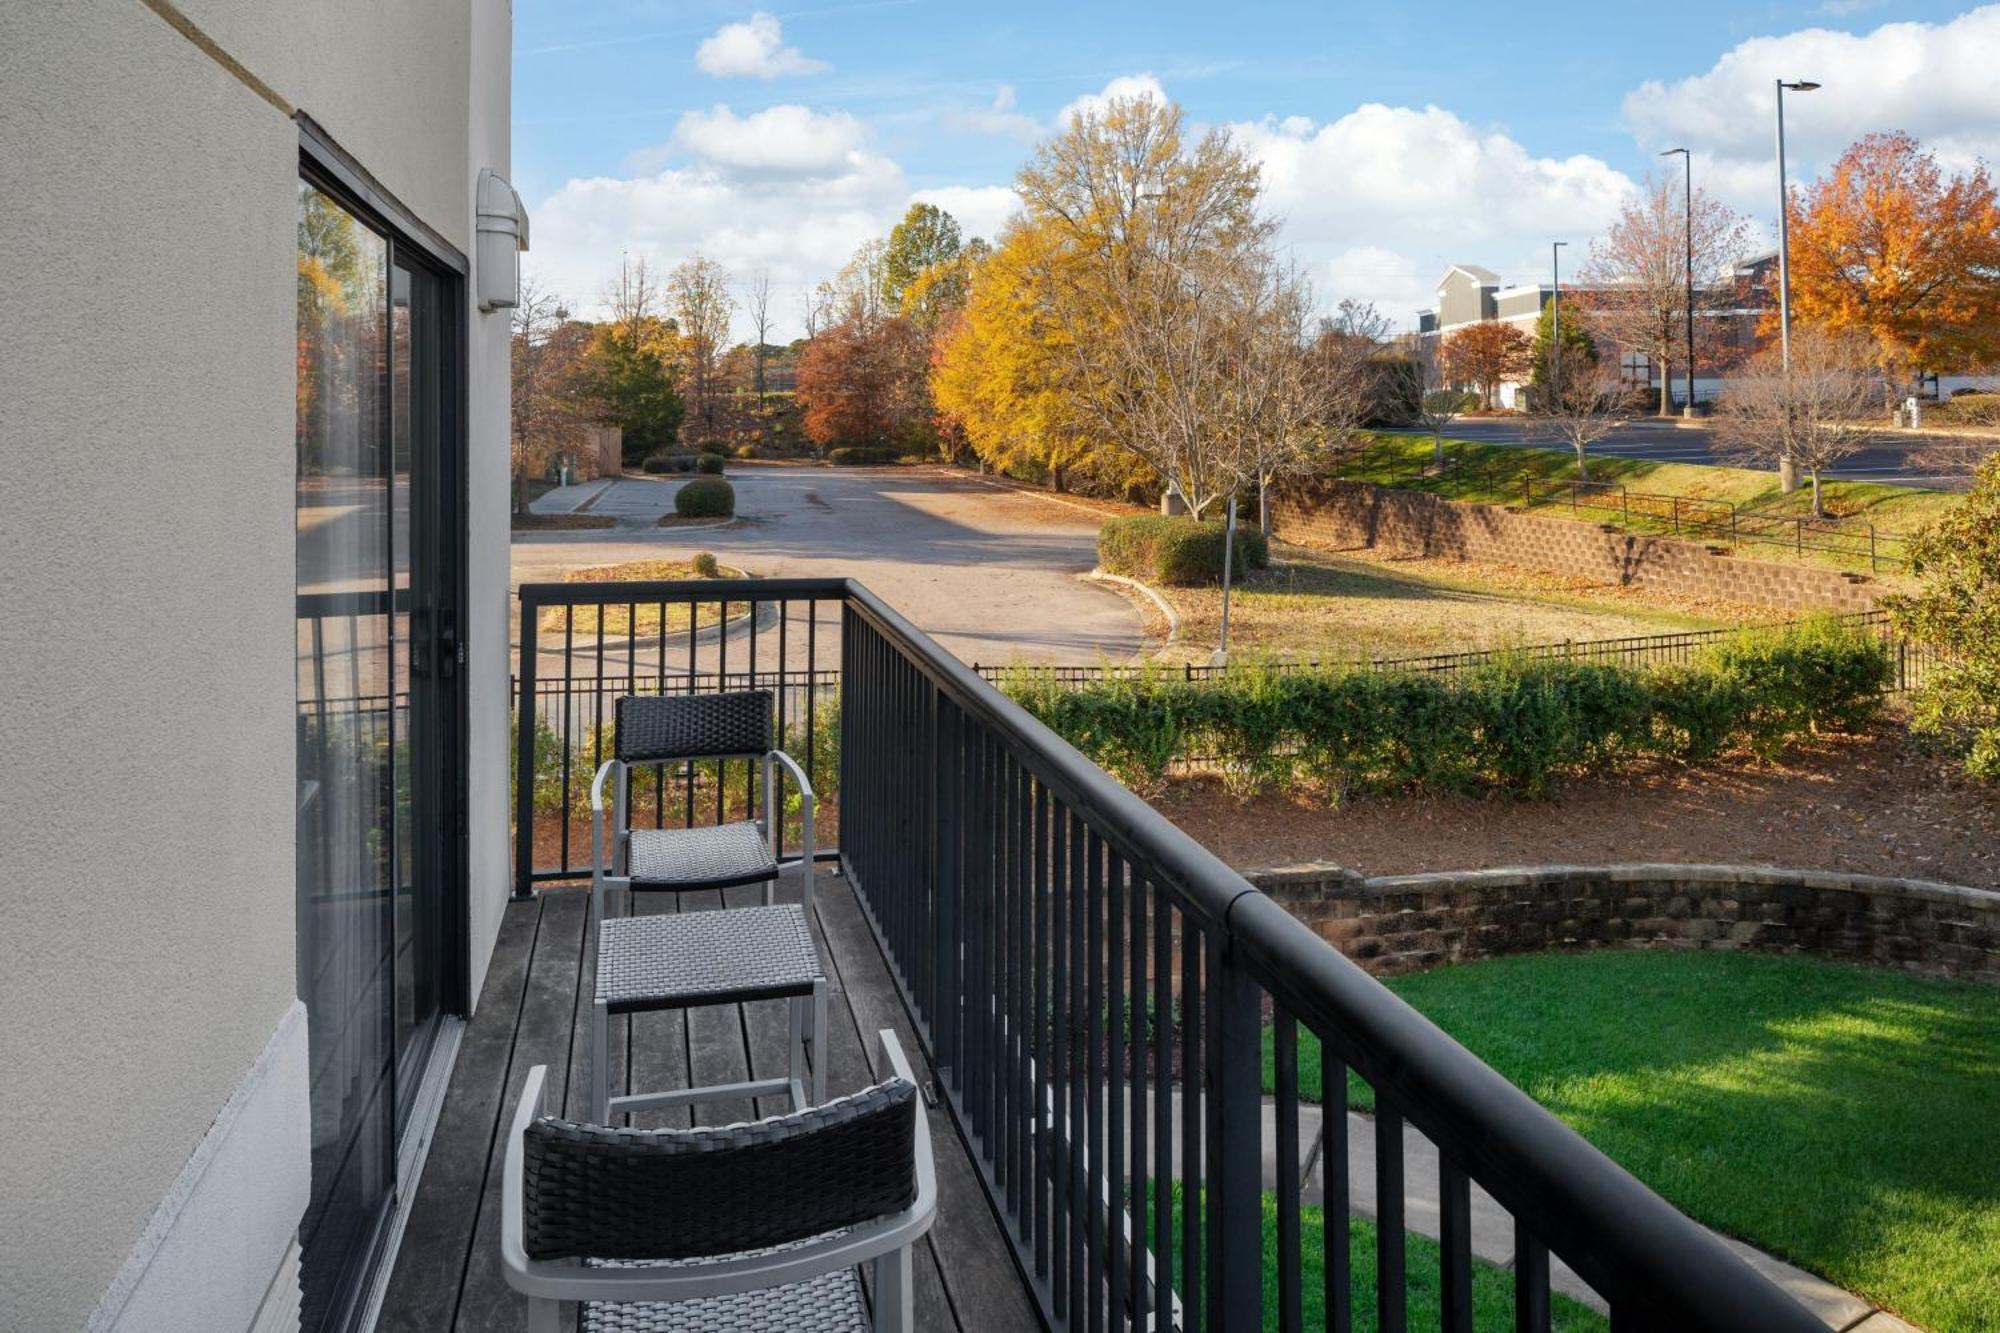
column 1886, row 245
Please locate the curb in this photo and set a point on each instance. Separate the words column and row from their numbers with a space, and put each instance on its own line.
column 1166, row 610
column 603, row 485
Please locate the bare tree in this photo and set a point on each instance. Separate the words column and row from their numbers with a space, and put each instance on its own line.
column 1639, row 271
column 699, row 291
column 816, row 309
column 1816, row 414
column 760, row 324
column 1439, row 401
column 1587, row 401
column 535, row 409
column 635, row 298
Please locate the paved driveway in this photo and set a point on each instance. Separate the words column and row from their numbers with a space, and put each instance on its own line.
column 988, row 571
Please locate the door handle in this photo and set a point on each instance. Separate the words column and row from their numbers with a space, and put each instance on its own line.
column 447, row 644
column 420, row 641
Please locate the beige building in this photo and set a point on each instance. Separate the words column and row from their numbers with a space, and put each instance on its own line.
column 258, row 258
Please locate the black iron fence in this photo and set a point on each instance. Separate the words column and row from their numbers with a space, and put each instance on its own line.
column 1848, row 541
column 1095, row 991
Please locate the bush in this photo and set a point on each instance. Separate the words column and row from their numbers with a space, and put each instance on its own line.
column 1178, row 551
column 660, row 464
column 857, row 455
column 711, row 464
column 1966, row 408
column 1517, row 724
column 705, row 497
column 705, row 566
column 746, row 451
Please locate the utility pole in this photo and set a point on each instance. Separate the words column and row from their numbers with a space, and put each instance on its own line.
column 1788, row 476
column 1555, row 317
column 1687, row 161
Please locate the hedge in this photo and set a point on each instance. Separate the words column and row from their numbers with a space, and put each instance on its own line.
column 659, row 464
column 1517, row 724
column 705, row 497
column 855, row 455
column 712, row 464
column 1175, row 550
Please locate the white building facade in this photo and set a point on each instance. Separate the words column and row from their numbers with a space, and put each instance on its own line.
column 254, row 627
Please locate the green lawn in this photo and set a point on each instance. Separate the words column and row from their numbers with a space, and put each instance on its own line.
column 1397, row 458
column 1845, row 1118
column 1492, row 1288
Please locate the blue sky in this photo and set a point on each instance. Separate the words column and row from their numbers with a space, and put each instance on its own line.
column 1394, row 138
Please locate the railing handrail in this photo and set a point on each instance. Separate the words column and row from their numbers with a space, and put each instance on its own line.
column 1636, row 1249
column 1607, row 1225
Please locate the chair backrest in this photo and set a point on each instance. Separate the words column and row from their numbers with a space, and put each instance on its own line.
column 600, row 1193
column 653, row 727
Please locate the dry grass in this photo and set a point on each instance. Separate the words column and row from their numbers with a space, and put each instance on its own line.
column 641, row 619
column 1313, row 604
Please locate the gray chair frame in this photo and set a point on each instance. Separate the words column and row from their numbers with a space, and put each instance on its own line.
column 807, row 1012
column 887, row 1243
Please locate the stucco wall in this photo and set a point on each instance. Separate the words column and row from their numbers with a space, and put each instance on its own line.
column 147, row 231
column 1346, row 515
column 1402, row 923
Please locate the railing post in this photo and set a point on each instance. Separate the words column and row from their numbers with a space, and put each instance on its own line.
column 524, row 761
column 1236, row 1163
column 943, row 783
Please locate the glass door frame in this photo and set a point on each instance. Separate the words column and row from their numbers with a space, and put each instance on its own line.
column 438, row 782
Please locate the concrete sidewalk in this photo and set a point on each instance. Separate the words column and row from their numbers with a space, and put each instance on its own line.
column 569, row 499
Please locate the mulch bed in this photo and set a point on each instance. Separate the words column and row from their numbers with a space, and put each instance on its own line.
column 1867, row 805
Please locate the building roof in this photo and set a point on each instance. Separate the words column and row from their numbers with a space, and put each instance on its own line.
column 1473, row 271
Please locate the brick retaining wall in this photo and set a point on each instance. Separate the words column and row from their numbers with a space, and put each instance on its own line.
column 1401, row 923
column 1344, row 515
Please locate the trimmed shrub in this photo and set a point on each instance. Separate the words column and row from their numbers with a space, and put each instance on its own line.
column 661, row 464
column 746, row 451
column 705, row 497
column 705, row 566
column 1517, row 724
column 710, row 464
column 1177, row 551
column 858, row 455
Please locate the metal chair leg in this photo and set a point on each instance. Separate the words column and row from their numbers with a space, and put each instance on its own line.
column 796, row 1041
column 818, row 1044
column 600, row 1064
column 895, row 1304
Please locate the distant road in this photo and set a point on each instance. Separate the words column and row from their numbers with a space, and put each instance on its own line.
column 1885, row 460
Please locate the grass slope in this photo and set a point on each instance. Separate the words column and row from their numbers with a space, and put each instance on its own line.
column 1840, row 1117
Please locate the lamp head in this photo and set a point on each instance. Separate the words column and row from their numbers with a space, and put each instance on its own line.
column 1672, row 151
column 1802, row 86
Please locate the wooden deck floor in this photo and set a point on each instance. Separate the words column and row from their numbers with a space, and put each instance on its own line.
column 534, row 1009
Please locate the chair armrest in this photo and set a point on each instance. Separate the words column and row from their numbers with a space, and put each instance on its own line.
column 799, row 778
column 568, row 1281
column 604, row 771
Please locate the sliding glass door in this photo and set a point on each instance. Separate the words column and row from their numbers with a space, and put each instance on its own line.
column 377, row 737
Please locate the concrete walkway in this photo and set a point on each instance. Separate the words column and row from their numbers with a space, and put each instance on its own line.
column 569, row 499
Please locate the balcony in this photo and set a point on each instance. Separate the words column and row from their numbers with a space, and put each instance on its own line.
column 1091, row 993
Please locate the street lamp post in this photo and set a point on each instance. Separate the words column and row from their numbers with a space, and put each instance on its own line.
column 1788, row 478
column 1555, row 316
column 1687, row 209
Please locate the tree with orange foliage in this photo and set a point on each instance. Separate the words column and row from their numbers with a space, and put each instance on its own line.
column 861, row 382
column 1886, row 245
column 1484, row 354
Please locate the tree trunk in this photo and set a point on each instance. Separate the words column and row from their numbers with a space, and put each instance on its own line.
column 1437, row 448
column 1582, row 465
column 1819, row 507
column 1264, row 507
column 1666, row 390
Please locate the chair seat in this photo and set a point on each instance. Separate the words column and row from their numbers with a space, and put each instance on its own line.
column 670, row 960
column 829, row 1303
column 715, row 857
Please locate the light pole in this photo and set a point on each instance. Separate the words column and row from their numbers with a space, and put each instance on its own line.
column 1788, row 478
column 1687, row 208
column 1555, row 317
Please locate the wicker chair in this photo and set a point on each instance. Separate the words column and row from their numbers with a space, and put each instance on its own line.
column 690, row 959
column 750, row 1228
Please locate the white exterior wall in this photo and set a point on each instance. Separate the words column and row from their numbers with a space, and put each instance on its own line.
column 156, row 1167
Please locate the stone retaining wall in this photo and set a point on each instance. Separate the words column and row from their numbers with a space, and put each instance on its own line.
column 1345, row 515
column 1401, row 923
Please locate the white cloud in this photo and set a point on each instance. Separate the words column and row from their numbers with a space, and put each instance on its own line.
column 1001, row 119
column 981, row 210
column 753, row 49
column 781, row 140
column 1379, row 202
column 1124, row 86
column 1935, row 80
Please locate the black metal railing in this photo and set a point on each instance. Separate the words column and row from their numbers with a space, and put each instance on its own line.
column 1096, row 993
